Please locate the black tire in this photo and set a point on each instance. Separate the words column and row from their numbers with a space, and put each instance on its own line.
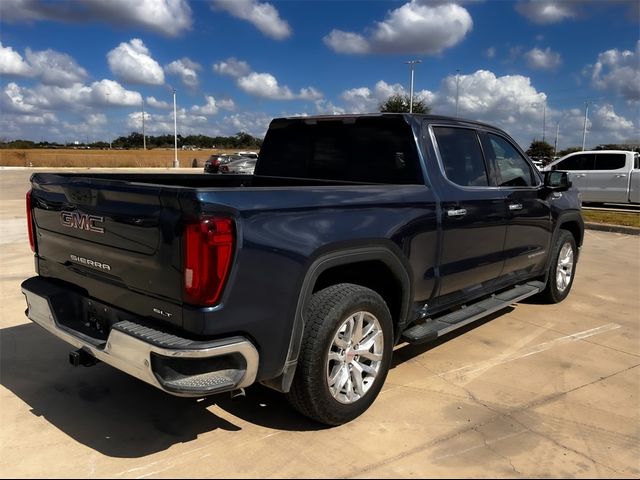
column 557, row 289
column 330, row 310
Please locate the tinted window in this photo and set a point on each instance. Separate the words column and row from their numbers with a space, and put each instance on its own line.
column 461, row 156
column 372, row 150
column 610, row 161
column 512, row 169
column 636, row 161
column 577, row 162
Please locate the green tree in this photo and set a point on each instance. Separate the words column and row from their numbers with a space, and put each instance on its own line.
column 398, row 103
column 540, row 149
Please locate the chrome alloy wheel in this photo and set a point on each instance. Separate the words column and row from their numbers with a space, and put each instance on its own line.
column 355, row 356
column 564, row 268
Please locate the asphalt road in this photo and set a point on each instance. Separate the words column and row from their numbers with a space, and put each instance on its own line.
column 534, row 391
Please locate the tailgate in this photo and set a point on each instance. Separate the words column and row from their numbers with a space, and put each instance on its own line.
column 110, row 237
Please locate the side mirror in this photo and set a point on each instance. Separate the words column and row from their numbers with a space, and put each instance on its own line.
column 557, row 181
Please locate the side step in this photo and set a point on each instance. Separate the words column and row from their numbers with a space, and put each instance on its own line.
column 434, row 328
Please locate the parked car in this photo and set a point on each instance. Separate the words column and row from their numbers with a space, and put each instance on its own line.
column 603, row 176
column 239, row 166
column 213, row 163
column 356, row 233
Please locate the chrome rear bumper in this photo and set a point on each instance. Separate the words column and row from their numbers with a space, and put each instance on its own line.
column 176, row 365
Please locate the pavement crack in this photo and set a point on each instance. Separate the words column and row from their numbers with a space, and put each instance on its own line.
column 491, row 449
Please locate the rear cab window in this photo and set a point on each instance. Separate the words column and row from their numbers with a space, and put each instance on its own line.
column 378, row 149
column 610, row 161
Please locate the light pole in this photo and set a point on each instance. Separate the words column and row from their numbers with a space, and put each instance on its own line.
column 584, row 129
column 544, row 120
column 411, row 64
column 555, row 145
column 144, row 137
column 176, row 164
column 108, row 129
column 457, row 90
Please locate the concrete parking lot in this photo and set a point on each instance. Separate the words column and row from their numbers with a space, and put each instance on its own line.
column 533, row 391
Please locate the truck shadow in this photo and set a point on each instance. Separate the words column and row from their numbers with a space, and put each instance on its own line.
column 407, row 351
column 118, row 415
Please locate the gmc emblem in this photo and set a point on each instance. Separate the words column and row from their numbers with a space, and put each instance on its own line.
column 81, row 221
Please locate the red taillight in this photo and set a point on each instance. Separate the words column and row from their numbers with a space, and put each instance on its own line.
column 30, row 222
column 208, row 248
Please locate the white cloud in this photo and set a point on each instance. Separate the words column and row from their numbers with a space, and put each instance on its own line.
column 186, row 69
column 160, row 104
column 168, row 17
column 413, row 28
column 162, row 124
column 618, row 71
column 263, row 16
column 253, row 123
column 13, row 100
column 543, row 59
column 490, row 52
column 232, row 67
column 545, row 12
column 132, row 63
column 55, row 68
column 226, row 104
column 12, row 63
column 96, row 119
column 77, row 97
column 210, row 108
column 366, row 100
column 265, row 85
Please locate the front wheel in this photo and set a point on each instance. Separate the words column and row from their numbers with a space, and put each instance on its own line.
column 561, row 269
column 345, row 354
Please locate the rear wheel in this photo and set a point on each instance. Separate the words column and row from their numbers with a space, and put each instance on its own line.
column 561, row 269
column 345, row 354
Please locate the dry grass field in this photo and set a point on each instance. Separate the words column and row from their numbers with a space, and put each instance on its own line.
column 104, row 158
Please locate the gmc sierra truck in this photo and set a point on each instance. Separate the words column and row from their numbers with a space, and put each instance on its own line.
column 355, row 233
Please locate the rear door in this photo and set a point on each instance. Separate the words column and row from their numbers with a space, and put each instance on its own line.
column 528, row 238
column 609, row 180
column 474, row 215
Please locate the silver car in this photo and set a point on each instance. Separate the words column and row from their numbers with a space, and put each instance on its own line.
column 243, row 166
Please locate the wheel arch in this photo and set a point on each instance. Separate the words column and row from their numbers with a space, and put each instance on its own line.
column 380, row 266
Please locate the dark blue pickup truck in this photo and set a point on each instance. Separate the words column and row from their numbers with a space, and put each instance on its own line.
column 354, row 234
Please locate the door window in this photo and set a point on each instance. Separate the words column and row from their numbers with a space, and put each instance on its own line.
column 610, row 161
column 512, row 169
column 577, row 162
column 461, row 156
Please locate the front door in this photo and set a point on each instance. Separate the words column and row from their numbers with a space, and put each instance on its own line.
column 529, row 233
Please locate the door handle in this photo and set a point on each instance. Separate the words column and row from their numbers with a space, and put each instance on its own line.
column 457, row 212
column 515, row 206
column 579, row 175
column 621, row 175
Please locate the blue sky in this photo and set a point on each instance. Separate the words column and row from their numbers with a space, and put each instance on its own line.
column 80, row 70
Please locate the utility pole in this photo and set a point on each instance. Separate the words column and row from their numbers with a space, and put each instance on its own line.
column 144, row 137
column 457, row 90
column 108, row 129
column 411, row 64
column 544, row 120
column 584, row 130
column 176, row 164
column 555, row 145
